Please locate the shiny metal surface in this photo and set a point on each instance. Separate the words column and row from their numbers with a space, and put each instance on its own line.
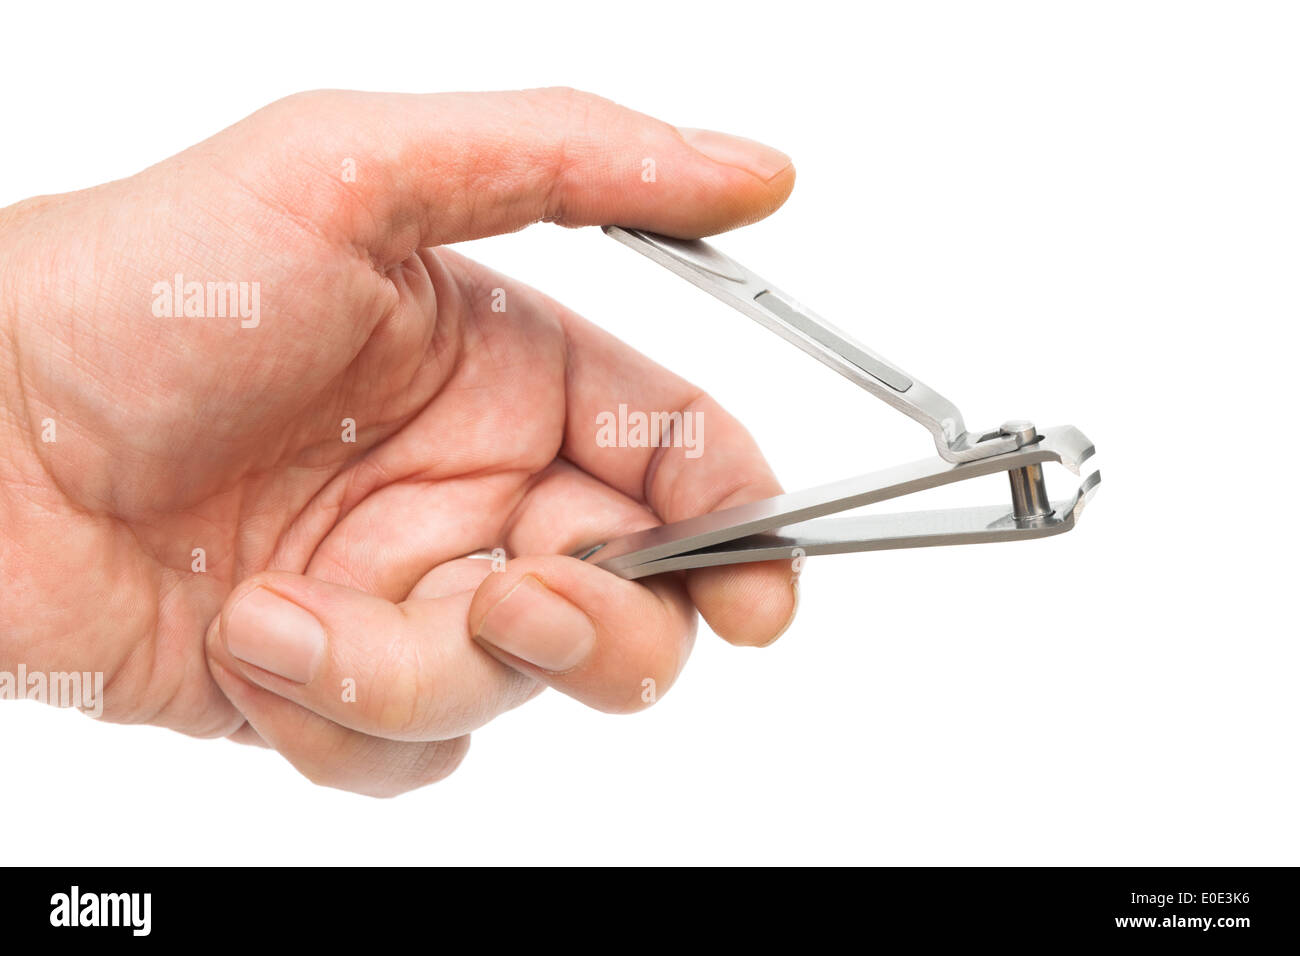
column 1029, row 497
column 1029, row 492
column 725, row 279
column 820, row 333
column 794, row 525
column 690, row 541
column 918, row 529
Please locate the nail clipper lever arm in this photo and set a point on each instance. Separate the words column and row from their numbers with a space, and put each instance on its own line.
column 725, row 279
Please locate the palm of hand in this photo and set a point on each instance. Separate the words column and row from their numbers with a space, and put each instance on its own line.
column 289, row 449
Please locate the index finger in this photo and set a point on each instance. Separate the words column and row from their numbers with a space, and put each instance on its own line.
column 618, row 403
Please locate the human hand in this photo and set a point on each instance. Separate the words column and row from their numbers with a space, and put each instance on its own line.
column 180, row 507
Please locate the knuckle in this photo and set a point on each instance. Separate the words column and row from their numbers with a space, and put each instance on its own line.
column 413, row 697
column 403, row 700
column 304, row 102
column 572, row 96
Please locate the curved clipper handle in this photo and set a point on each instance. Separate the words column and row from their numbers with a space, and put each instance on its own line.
column 725, row 279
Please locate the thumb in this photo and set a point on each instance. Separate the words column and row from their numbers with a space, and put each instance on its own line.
column 404, row 671
column 440, row 168
column 615, row 645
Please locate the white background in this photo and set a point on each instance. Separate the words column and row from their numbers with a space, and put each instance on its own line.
column 1084, row 213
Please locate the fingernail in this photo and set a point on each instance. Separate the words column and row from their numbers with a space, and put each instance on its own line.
column 763, row 161
column 267, row 631
column 535, row 624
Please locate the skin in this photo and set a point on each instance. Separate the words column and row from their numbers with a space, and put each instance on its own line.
column 474, row 428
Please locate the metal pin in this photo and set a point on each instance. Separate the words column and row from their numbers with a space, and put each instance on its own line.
column 1028, row 486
